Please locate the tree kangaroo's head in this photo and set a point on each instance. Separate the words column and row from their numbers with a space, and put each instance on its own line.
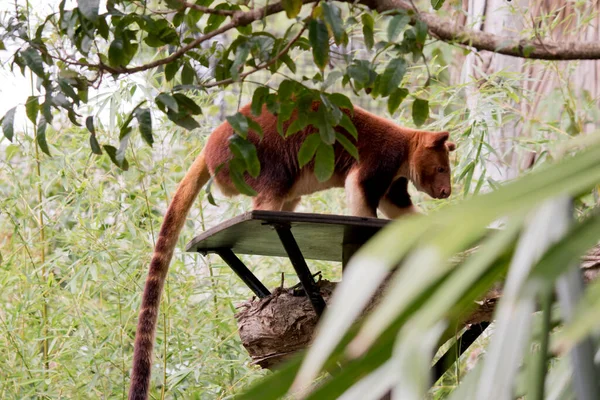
column 430, row 164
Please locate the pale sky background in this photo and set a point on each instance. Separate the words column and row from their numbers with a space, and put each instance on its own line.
column 14, row 87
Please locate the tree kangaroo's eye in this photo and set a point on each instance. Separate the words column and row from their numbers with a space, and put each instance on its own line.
column 441, row 169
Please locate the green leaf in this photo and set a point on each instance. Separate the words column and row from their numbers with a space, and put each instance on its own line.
column 347, row 144
column 116, row 53
column 308, row 149
column 342, row 101
column 348, row 125
column 420, row 111
column 184, row 120
column 166, row 100
column 41, row 135
column 254, row 126
column 89, row 124
column 318, row 36
column 112, row 153
column 67, row 89
column 292, row 7
column 396, row 99
column 31, row 108
column 8, row 123
column 258, row 99
column 185, row 103
column 368, row 29
column 236, row 173
column 397, row 25
column 332, row 15
column 171, row 69
column 241, row 55
column 94, row 144
column 89, row 9
column 187, row 74
column 420, row 33
column 324, row 162
column 245, row 150
column 144, row 119
column 437, row 4
column 122, row 49
column 322, row 122
column 34, row 61
column 391, row 77
column 239, row 123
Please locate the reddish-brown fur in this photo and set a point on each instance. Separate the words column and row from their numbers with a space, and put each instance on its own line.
column 389, row 156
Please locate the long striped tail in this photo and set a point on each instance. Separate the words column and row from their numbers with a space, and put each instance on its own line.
column 184, row 198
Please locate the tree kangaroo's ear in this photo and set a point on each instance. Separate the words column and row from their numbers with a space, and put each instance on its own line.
column 437, row 139
column 450, row 146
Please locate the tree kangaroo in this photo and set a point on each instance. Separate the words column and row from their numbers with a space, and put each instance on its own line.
column 389, row 157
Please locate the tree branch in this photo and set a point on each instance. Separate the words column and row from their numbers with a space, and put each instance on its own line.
column 444, row 30
column 448, row 31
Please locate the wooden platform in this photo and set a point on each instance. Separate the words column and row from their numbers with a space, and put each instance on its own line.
column 298, row 236
column 319, row 236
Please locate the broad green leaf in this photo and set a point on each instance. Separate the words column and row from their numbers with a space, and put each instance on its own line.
column 292, row 7
column 67, row 89
column 144, row 119
column 241, row 55
column 319, row 40
column 122, row 49
column 183, row 119
column 89, row 124
column 112, row 153
column 116, row 53
column 324, row 162
column 320, row 120
column 332, row 16
column 237, row 177
column 96, row 149
column 89, row 9
column 188, row 74
column 342, row 101
column 395, row 99
column 437, row 4
column 34, row 61
column 31, row 108
column 391, row 77
column 308, row 149
column 420, row 32
column 187, row 104
column 8, row 123
column 171, row 69
column 348, row 125
column 361, row 71
column 245, row 150
column 420, row 111
column 258, row 99
column 239, row 123
column 254, row 126
column 347, row 144
column 166, row 100
column 41, row 135
column 368, row 30
column 397, row 25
